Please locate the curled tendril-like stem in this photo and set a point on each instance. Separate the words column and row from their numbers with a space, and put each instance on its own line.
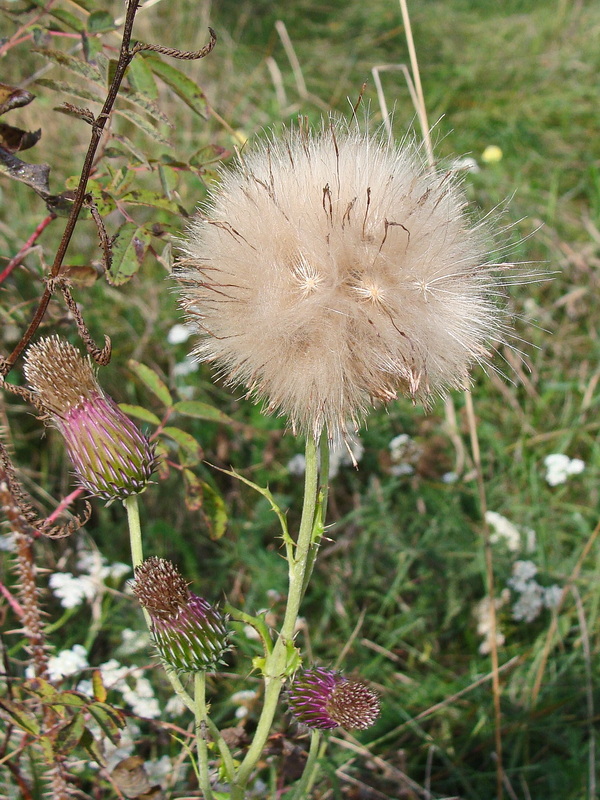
column 186, row 55
column 100, row 356
column 25, row 518
column 105, row 241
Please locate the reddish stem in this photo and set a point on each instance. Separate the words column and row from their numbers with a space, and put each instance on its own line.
column 16, row 260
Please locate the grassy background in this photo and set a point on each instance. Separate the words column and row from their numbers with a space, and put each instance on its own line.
column 405, row 557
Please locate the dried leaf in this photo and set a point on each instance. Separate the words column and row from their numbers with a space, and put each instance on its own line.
column 143, row 124
column 73, row 64
column 14, row 139
column 12, row 97
column 34, row 175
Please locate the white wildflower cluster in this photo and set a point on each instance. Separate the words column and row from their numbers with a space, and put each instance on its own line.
column 66, row 663
column 342, row 453
column 533, row 597
column 73, row 590
column 135, row 688
column 504, row 531
column 559, row 467
column 404, row 453
column 485, row 626
column 244, row 700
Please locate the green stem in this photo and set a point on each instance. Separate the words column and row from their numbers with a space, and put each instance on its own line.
column 275, row 667
column 200, row 717
column 135, row 529
column 309, row 775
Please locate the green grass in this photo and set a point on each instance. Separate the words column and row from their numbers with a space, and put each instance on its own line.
column 404, row 554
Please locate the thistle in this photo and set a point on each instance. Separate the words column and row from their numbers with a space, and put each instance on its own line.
column 322, row 699
column 191, row 635
column 112, row 459
column 331, row 271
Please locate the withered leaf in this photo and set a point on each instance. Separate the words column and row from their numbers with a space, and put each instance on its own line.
column 14, row 139
column 34, row 175
column 13, row 97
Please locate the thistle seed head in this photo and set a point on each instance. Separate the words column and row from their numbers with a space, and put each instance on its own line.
column 323, row 699
column 112, row 458
column 190, row 634
column 331, row 271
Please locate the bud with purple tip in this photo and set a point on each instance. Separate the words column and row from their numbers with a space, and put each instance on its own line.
column 323, row 699
column 112, row 458
column 190, row 634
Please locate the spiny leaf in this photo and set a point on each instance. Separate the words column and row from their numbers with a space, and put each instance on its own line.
column 128, row 251
column 152, row 381
column 199, row 410
column 184, row 87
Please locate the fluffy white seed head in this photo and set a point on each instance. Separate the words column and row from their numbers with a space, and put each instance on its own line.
column 331, row 271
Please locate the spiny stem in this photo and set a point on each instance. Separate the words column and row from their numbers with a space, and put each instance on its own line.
column 200, row 715
column 276, row 662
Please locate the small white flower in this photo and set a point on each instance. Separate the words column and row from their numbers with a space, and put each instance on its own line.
column 401, row 469
column 157, row 771
column 523, row 572
column 344, row 453
column 398, row 446
column 504, row 531
column 466, row 164
column 449, row 477
column 296, row 466
column 244, row 699
column 552, row 595
column 71, row 590
column 483, row 615
column 175, row 706
column 179, row 334
column 186, row 367
column 530, row 603
column 7, row 542
column 133, row 642
column 559, row 467
column 141, row 699
column 67, row 662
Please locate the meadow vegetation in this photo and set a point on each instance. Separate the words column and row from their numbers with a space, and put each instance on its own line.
column 400, row 589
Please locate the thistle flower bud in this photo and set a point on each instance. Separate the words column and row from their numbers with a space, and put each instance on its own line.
column 112, row 459
column 322, row 699
column 191, row 635
column 331, row 270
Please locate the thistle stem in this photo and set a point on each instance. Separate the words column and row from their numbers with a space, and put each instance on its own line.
column 276, row 662
column 200, row 715
column 137, row 557
column 309, row 775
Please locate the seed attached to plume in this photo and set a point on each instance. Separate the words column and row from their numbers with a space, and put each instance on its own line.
column 190, row 634
column 112, row 458
column 322, row 699
column 330, row 271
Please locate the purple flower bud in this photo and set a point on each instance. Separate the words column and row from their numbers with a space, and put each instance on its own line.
column 323, row 699
column 112, row 459
column 191, row 635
